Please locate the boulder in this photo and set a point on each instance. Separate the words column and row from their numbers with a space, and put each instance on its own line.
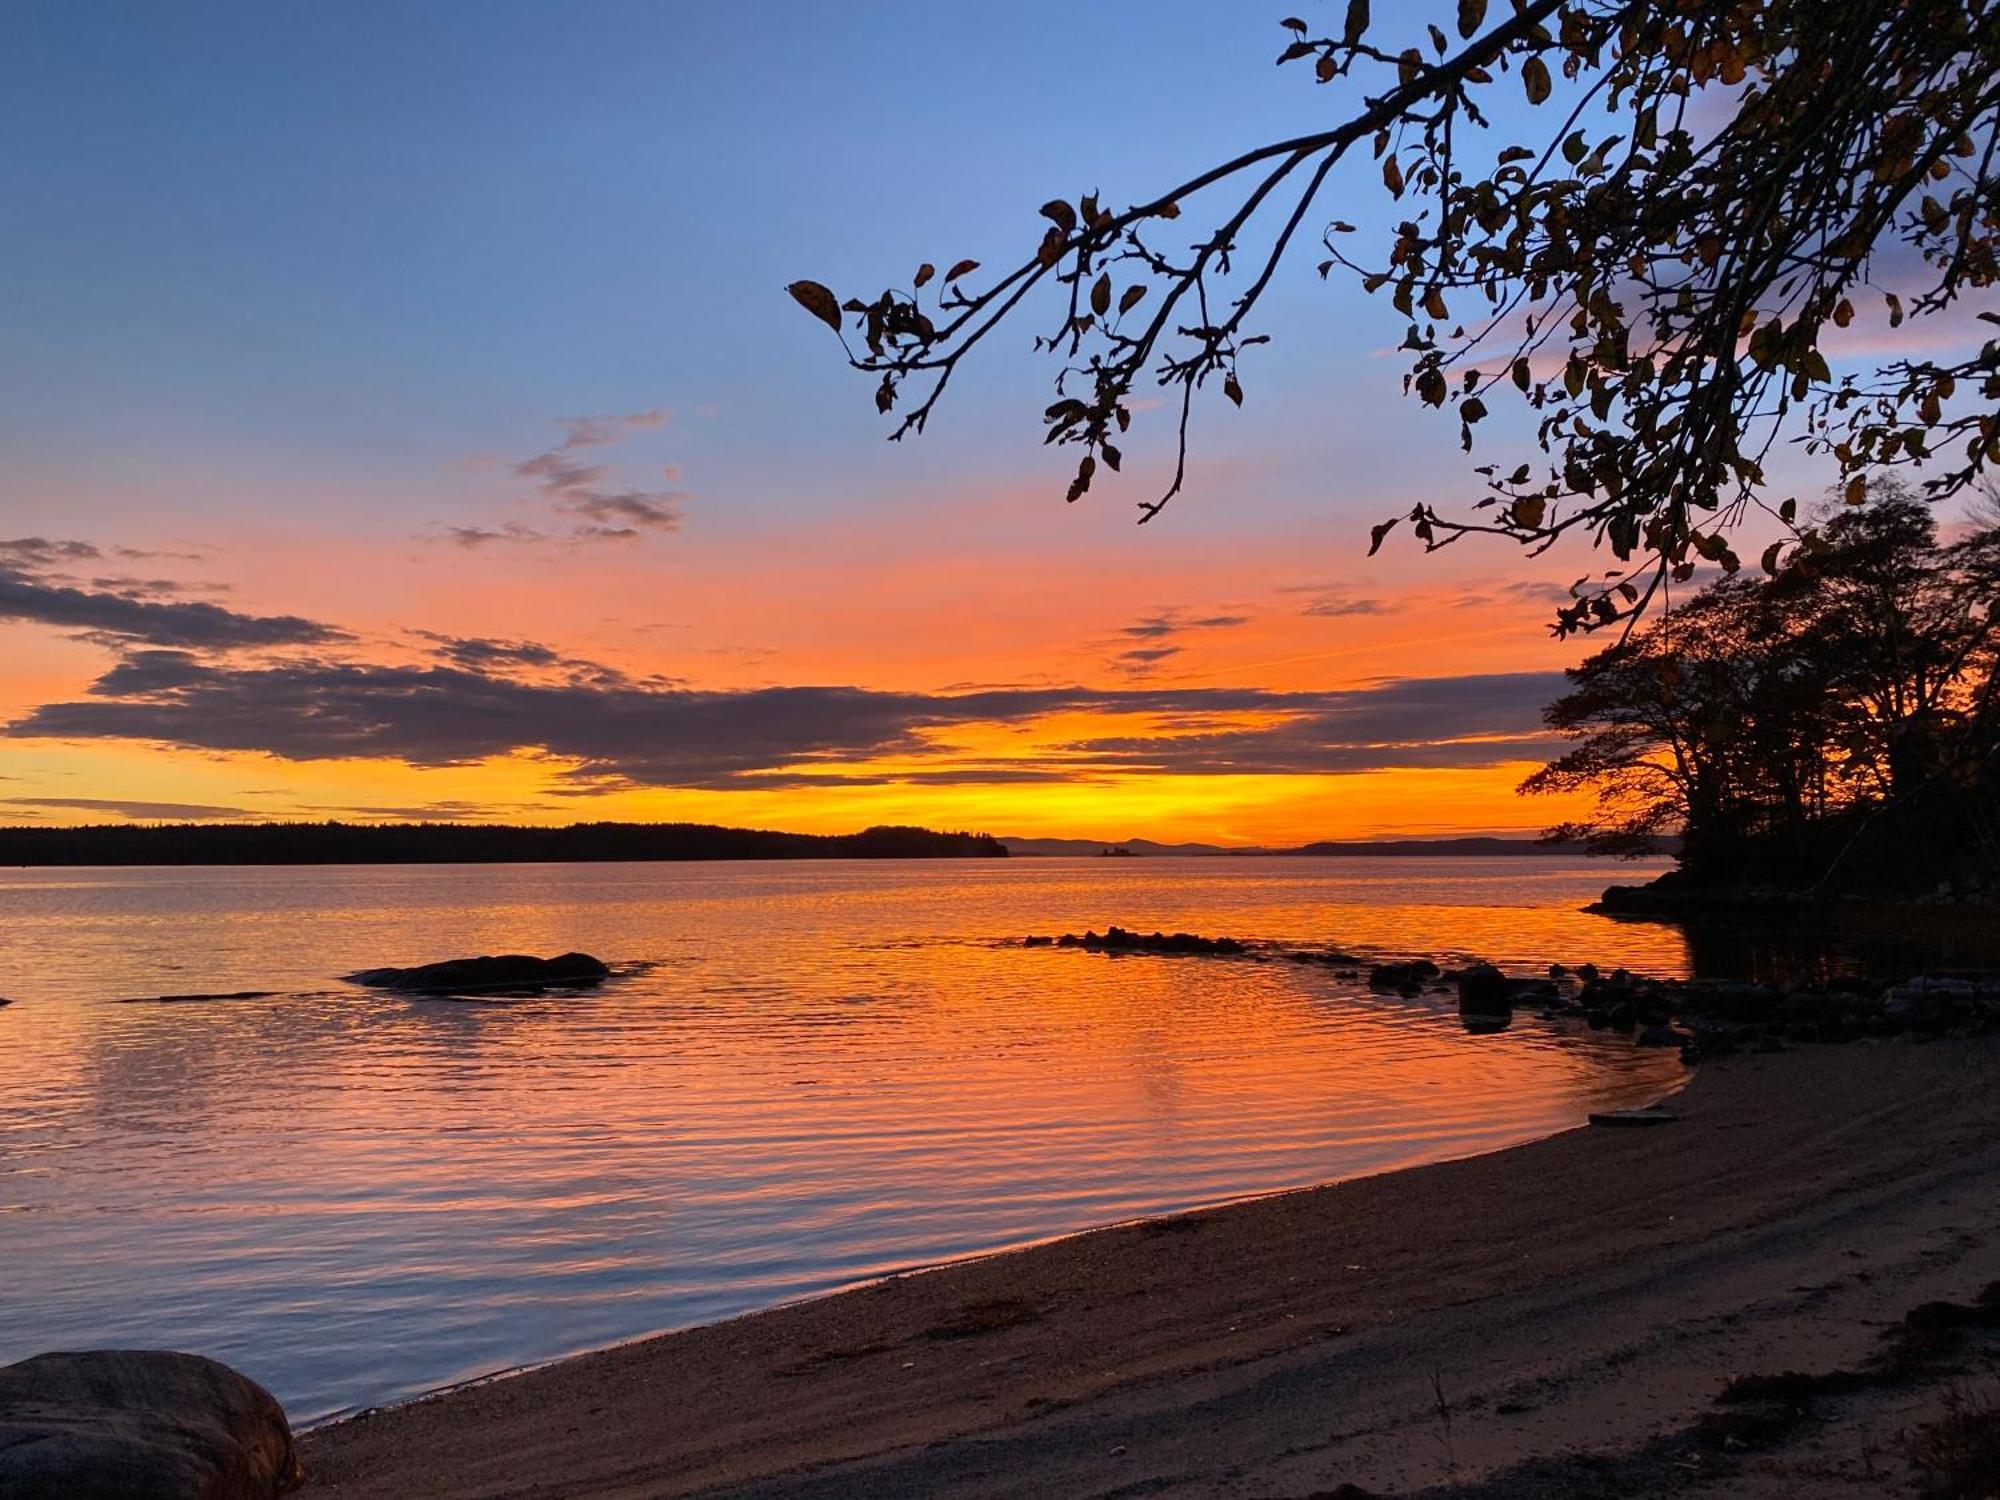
column 1484, row 991
column 140, row 1425
column 506, row 973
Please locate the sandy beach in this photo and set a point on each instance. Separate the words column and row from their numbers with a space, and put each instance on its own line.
column 1531, row 1322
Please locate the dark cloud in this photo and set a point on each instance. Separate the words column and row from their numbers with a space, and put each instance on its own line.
column 611, row 732
column 479, row 536
column 583, row 489
column 1173, row 621
column 1330, row 601
column 152, row 588
column 120, row 807
column 483, row 651
column 146, row 554
column 635, row 508
column 127, row 616
column 1411, row 722
column 448, row 811
column 41, row 552
column 1158, row 629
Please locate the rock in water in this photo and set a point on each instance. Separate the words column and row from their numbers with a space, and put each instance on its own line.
column 140, row 1425
column 1406, row 979
column 1484, row 991
column 505, row 973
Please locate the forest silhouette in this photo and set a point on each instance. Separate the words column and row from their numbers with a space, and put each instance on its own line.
column 1832, row 729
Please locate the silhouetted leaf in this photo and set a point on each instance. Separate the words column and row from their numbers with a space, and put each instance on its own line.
column 963, row 268
column 1471, row 16
column 1063, row 216
column 818, row 301
column 1376, row 533
column 1100, row 295
column 1357, row 21
column 1535, row 78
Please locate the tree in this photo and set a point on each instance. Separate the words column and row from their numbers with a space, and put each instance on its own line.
column 1776, row 723
column 1724, row 183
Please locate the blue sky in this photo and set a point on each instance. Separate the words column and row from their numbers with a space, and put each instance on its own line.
column 293, row 290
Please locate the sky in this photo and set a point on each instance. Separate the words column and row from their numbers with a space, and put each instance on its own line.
column 401, row 415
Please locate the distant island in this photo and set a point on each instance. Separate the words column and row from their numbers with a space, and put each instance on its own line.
column 1462, row 848
column 463, row 843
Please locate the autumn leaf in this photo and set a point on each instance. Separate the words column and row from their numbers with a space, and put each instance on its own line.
column 1535, row 77
column 818, row 301
column 1471, row 16
column 1357, row 20
column 963, row 268
column 1232, row 389
column 1376, row 533
column 924, row 273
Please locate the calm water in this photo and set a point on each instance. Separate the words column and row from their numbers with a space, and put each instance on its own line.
column 806, row 1074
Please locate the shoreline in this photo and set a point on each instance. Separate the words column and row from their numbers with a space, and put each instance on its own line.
column 1208, row 1352
column 953, row 1263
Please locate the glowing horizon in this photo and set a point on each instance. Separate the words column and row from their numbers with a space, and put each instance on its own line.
column 415, row 424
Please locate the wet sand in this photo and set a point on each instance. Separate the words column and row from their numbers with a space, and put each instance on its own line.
column 1475, row 1324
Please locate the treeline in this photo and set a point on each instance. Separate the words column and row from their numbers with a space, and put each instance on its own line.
column 459, row 843
column 1830, row 729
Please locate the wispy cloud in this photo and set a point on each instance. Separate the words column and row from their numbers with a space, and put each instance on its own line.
column 582, row 491
column 120, row 807
column 1158, row 630
column 1331, row 601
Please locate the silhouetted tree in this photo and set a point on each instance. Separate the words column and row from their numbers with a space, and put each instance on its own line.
column 1776, row 722
column 1656, row 274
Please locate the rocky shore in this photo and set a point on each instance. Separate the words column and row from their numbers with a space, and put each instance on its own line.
column 1704, row 1018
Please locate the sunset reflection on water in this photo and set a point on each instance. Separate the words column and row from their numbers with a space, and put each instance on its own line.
column 804, row 1075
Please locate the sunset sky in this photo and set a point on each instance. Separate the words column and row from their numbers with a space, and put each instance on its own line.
column 402, row 416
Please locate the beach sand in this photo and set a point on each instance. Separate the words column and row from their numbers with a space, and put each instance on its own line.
column 1552, row 1320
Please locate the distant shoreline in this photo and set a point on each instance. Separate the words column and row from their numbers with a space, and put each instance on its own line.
column 278, row 843
column 129, row 844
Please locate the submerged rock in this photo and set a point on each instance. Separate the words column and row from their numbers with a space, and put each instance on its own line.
column 1118, row 940
column 147, row 1424
column 1405, row 978
column 506, row 973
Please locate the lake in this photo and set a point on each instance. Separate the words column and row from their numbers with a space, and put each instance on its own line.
column 804, row 1075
